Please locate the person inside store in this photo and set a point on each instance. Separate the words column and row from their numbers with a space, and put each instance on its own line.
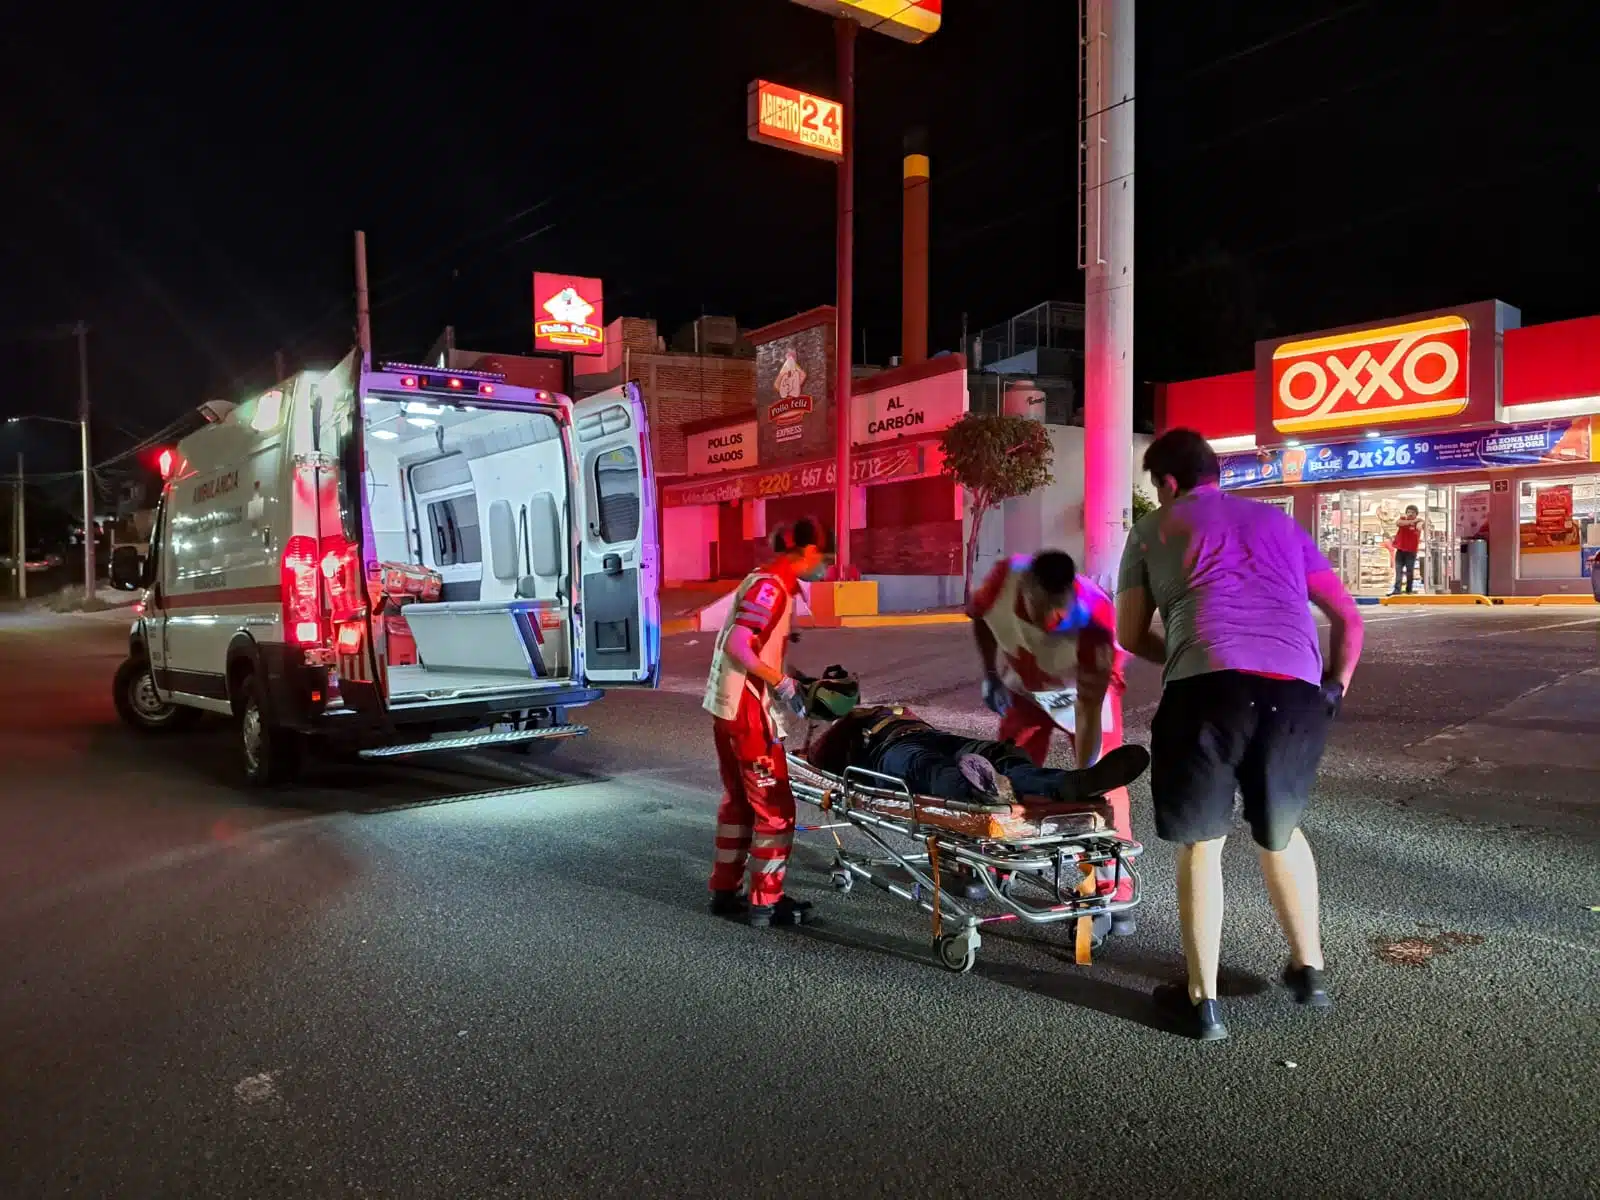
column 1247, row 703
column 1407, row 543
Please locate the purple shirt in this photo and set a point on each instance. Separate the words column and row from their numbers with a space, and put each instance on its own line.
column 1229, row 578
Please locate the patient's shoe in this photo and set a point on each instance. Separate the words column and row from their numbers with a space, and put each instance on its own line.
column 990, row 785
column 784, row 912
column 1115, row 769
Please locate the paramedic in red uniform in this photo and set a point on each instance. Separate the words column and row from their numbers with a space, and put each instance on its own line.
column 1042, row 626
column 755, row 824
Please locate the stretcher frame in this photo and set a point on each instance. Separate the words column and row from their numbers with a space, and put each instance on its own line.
column 1044, row 879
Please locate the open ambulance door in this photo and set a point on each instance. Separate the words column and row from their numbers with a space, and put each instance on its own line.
column 342, row 553
column 617, row 620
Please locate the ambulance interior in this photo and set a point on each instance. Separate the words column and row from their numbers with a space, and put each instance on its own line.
column 468, row 515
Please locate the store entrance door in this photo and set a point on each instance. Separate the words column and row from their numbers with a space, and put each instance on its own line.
column 1356, row 529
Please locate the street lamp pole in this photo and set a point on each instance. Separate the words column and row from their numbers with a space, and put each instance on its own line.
column 89, row 580
column 844, row 385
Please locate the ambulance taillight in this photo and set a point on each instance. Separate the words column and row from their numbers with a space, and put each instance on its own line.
column 302, row 607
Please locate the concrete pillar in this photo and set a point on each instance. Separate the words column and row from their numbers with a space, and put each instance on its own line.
column 914, row 253
column 1108, row 285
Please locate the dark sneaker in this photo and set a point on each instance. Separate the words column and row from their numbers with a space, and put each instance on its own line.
column 729, row 904
column 1202, row 1021
column 1116, row 769
column 1305, row 985
column 784, row 912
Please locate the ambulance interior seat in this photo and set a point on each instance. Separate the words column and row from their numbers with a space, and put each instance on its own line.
column 499, row 474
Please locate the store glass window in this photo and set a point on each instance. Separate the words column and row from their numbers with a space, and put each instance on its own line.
column 1357, row 533
column 1558, row 527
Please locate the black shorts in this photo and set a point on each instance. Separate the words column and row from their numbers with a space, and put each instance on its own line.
column 1228, row 732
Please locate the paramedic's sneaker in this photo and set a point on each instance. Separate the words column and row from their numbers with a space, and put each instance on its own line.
column 729, row 904
column 1115, row 769
column 985, row 780
column 1306, row 986
column 784, row 912
column 1202, row 1021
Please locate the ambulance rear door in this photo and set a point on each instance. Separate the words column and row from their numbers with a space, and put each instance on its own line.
column 618, row 554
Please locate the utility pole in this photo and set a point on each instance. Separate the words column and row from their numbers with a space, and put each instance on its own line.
column 89, row 577
column 845, row 40
column 1105, row 135
column 19, row 533
column 363, row 308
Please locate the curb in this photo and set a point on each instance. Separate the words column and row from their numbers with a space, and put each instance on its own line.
column 893, row 620
column 1433, row 601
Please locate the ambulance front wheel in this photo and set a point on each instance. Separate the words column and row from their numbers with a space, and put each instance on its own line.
column 271, row 754
column 140, row 706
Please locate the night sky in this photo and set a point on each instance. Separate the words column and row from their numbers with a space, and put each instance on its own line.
column 188, row 180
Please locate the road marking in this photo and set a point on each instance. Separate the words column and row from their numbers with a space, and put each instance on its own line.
column 1539, row 628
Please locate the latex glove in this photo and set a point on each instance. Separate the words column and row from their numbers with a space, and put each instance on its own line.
column 1332, row 695
column 996, row 697
column 787, row 692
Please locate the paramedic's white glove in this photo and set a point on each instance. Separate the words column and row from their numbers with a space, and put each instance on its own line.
column 791, row 697
column 996, row 697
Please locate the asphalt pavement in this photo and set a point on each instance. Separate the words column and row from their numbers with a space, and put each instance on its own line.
column 492, row 977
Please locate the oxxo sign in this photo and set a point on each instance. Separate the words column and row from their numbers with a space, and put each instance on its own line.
column 729, row 448
column 1393, row 375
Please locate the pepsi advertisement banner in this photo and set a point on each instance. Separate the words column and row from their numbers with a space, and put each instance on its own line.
column 1376, row 458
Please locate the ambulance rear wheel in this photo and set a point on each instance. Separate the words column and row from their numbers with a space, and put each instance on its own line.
column 271, row 755
column 140, row 706
column 956, row 953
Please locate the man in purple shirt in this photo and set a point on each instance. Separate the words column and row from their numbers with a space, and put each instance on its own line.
column 1246, row 702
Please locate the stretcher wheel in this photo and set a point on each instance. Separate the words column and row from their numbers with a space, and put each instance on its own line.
column 956, row 953
column 842, row 881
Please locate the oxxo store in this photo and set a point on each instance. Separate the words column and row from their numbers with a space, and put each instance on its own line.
column 1489, row 428
column 747, row 476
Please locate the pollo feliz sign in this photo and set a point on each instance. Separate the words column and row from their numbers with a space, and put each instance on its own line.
column 568, row 314
column 1393, row 375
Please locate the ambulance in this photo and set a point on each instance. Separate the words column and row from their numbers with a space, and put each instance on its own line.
column 398, row 562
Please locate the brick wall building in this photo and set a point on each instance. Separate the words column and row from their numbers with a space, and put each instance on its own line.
column 678, row 389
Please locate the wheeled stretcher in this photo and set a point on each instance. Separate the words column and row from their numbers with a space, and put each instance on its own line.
column 1042, row 864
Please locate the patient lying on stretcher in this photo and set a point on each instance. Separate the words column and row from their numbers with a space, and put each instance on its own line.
column 894, row 741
